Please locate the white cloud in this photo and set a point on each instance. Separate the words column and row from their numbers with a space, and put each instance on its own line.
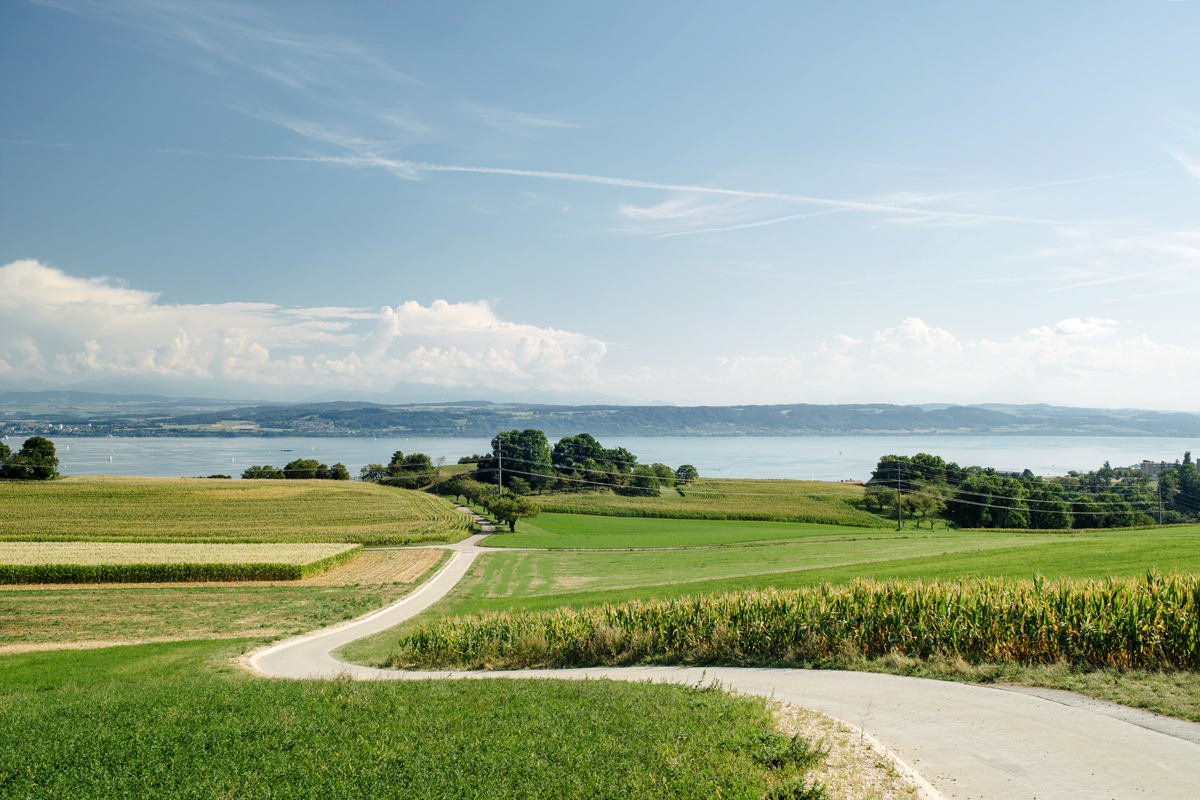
column 1076, row 361
column 58, row 327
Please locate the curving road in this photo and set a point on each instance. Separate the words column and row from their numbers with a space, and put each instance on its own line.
column 964, row 741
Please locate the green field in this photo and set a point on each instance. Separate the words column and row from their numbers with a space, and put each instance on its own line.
column 708, row 498
column 539, row 580
column 174, row 720
column 556, row 531
column 198, row 510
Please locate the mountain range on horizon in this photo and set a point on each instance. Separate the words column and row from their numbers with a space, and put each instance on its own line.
column 97, row 413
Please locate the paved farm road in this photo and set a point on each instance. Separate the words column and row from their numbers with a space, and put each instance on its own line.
column 970, row 742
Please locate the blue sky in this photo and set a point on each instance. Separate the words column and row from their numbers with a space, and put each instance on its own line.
column 687, row 203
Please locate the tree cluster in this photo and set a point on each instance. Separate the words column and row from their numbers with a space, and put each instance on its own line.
column 528, row 464
column 981, row 497
column 35, row 461
column 300, row 469
column 412, row 471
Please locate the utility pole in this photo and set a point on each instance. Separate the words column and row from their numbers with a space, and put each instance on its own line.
column 899, row 511
column 1159, row 486
column 500, row 468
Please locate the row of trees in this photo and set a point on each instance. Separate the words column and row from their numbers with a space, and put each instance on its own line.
column 926, row 486
column 505, row 506
column 300, row 469
column 35, row 461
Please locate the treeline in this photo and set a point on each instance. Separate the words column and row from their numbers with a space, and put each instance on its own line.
column 523, row 461
column 928, row 487
column 300, row 469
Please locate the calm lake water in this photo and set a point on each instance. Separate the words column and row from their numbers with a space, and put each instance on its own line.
column 819, row 458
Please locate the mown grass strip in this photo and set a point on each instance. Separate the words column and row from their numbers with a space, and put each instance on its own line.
column 1148, row 623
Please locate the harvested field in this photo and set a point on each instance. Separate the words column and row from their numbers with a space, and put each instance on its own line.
column 379, row 567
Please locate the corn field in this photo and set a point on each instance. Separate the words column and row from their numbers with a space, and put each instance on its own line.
column 94, row 562
column 1147, row 623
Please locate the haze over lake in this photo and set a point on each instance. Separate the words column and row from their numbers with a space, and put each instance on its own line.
column 819, row 458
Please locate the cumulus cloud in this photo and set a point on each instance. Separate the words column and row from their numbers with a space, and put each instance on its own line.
column 1076, row 361
column 57, row 327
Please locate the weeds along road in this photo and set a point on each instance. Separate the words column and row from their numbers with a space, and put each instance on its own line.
column 965, row 741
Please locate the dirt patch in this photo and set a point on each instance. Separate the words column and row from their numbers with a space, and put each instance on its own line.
column 856, row 768
column 379, row 567
column 572, row 581
column 37, row 647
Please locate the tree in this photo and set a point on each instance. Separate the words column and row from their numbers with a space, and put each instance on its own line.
column 510, row 509
column 303, row 469
column 525, row 454
column 665, row 475
column 643, row 482
column 338, row 472
column 686, row 473
column 372, row 472
column 572, row 451
column 35, row 461
column 1048, row 510
column 265, row 471
column 929, row 502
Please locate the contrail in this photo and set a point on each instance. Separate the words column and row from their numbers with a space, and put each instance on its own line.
column 413, row 167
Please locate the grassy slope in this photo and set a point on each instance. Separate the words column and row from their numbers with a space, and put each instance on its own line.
column 167, row 721
column 586, row 531
column 541, row 580
column 779, row 500
column 177, row 509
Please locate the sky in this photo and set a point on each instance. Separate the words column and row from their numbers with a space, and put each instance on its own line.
column 689, row 203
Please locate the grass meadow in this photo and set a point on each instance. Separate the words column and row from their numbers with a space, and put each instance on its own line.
column 174, row 720
column 729, row 499
column 552, row 530
column 202, row 510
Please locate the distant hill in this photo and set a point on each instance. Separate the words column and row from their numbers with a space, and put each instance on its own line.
column 144, row 415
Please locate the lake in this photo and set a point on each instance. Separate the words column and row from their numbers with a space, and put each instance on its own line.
column 810, row 458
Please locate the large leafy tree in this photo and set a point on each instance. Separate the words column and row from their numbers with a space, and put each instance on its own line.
column 510, row 509
column 572, row 452
column 35, row 461
column 520, row 454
